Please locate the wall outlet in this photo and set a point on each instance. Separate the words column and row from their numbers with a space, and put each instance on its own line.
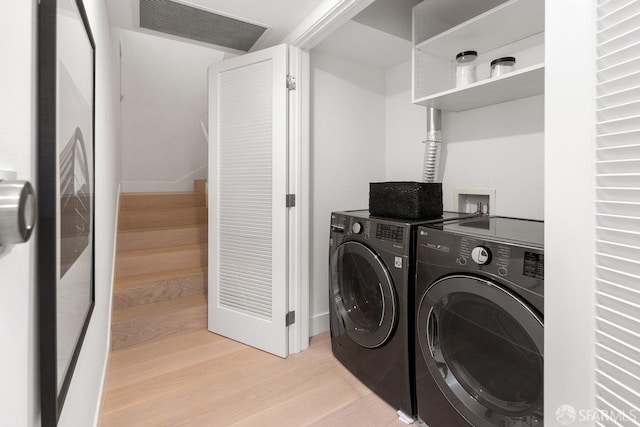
column 475, row 200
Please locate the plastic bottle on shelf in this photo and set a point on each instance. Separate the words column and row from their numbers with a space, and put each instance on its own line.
column 466, row 68
column 502, row 66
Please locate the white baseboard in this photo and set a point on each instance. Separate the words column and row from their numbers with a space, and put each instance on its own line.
column 318, row 324
column 156, row 187
column 107, row 360
column 180, row 185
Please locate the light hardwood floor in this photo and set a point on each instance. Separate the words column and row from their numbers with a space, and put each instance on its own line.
column 202, row 379
column 166, row 369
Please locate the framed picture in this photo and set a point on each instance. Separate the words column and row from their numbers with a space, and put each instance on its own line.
column 66, row 194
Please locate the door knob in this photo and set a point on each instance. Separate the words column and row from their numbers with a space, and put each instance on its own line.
column 17, row 211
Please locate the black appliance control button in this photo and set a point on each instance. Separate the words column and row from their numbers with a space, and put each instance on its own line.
column 503, row 271
column 356, row 228
column 481, row 255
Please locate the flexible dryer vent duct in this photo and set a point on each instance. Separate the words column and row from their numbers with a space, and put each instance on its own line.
column 432, row 145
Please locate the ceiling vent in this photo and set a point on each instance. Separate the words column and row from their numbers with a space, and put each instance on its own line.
column 185, row 21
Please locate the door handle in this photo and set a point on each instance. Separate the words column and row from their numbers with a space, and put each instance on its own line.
column 18, row 211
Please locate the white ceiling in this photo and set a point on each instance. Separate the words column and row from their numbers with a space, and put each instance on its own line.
column 391, row 16
column 379, row 36
column 366, row 45
column 280, row 16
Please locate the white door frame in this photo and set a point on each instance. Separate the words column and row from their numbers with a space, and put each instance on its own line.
column 299, row 216
column 323, row 21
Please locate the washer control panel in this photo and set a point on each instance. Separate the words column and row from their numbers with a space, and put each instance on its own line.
column 380, row 233
column 481, row 255
column 390, row 232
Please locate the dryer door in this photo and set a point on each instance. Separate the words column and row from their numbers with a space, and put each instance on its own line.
column 363, row 294
column 484, row 348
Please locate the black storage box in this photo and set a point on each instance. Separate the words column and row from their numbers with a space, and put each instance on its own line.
column 412, row 200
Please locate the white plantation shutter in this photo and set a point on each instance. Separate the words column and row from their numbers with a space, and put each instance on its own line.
column 618, row 213
column 247, row 212
column 245, row 189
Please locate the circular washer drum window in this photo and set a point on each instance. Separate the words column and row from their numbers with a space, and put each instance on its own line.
column 363, row 294
column 484, row 349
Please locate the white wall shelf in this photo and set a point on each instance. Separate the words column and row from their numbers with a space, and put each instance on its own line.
column 514, row 28
column 511, row 21
column 518, row 84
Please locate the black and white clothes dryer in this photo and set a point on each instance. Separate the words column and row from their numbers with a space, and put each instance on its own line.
column 480, row 331
column 372, row 275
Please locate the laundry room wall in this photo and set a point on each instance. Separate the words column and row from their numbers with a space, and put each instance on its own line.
column 18, row 294
column 499, row 147
column 164, row 99
column 347, row 153
column 19, row 364
column 405, row 127
column 83, row 399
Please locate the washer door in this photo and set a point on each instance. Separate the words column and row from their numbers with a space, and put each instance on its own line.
column 363, row 294
column 484, row 348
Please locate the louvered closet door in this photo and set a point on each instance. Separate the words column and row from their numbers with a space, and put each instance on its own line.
column 618, row 212
column 247, row 192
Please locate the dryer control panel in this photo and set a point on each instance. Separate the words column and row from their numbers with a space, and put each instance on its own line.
column 533, row 265
column 520, row 265
column 484, row 254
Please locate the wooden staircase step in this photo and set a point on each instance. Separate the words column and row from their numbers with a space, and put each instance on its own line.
column 147, row 201
column 142, row 323
column 141, row 279
column 158, row 308
column 149, row 238
column 157, row 260
column 181, row 283
column 154, row 218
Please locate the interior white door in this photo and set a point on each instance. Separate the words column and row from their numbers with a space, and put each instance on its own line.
column 247, row 199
